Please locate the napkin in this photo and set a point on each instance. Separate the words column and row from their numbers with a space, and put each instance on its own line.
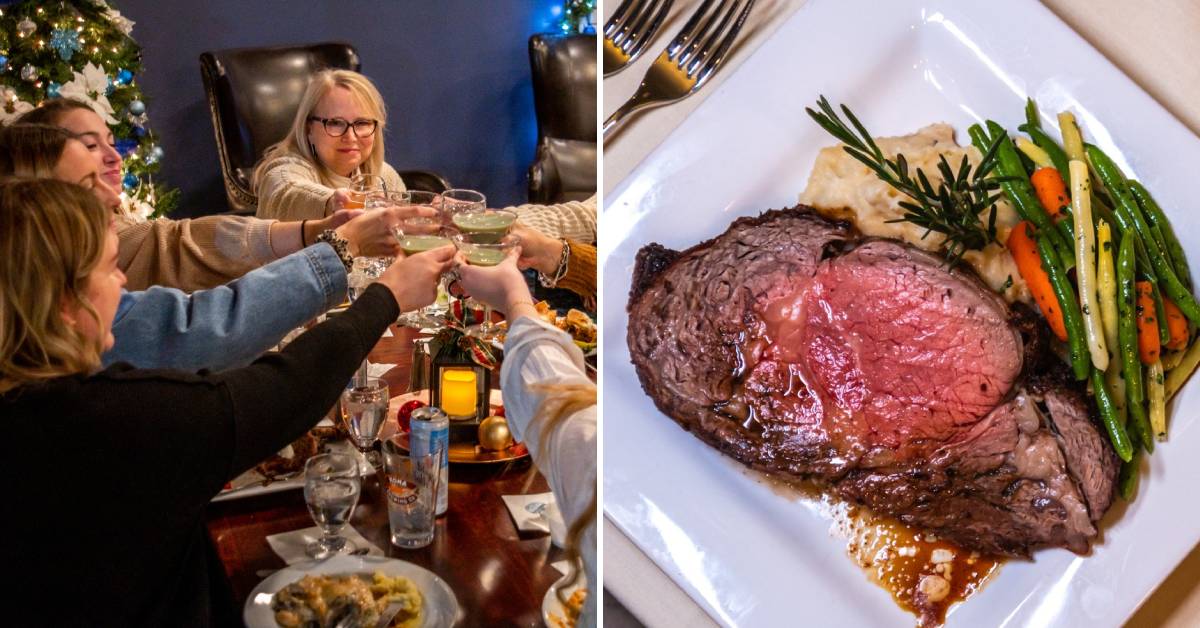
column 387, row 333
column 377, row 370
column 290, row 545
column 537, row 513
column 563, row 566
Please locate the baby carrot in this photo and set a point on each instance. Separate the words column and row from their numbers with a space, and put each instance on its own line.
column 1051, row 190
column 1147, row 324
column 1024, row 252
column 1176, row 323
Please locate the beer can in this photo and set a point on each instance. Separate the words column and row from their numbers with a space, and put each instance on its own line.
column 431, row 430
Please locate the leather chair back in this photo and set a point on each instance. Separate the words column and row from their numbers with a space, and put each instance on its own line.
column 564, row 97
column 252, row 96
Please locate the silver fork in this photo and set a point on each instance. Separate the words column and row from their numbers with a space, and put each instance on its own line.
column 629, row 29
column 690, row 60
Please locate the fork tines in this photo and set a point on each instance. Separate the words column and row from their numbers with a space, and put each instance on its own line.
column 702, row 43
column 630, row 28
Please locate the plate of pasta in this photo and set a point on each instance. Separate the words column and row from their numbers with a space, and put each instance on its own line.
column 353, row 590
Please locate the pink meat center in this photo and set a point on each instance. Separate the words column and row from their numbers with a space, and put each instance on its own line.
column 911, row 355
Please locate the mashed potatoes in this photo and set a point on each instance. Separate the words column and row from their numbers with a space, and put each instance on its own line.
column 841, row 187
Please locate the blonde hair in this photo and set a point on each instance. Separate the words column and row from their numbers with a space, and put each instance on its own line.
column 296, row 142
column 57, row 230
column 562, row 401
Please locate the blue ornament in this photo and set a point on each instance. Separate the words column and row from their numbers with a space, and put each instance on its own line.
column 126, row 146
column 52, row 90
column 108, row 86
column 66, row 42
column 139, row 131
column 137, row 107
column 3, row 63
column 124, row 77
column 130, row 181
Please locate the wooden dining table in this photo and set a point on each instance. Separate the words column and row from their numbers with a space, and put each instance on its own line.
column 498, row 574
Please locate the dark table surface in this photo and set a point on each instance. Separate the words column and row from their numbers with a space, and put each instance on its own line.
column 498, row 574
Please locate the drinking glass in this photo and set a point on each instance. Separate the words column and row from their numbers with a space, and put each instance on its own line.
column 331, row 488
column 417, row 234
column 412, row 488
column 361, row 186
column 457, row 200
column 364, row 411
column 485, row 253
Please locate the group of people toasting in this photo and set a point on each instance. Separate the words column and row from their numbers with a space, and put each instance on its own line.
column 135, row 371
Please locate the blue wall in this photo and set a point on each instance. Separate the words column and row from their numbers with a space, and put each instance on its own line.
column 454, row 74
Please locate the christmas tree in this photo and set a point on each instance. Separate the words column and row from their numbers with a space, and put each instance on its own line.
column 82, row 49
column 577, row 17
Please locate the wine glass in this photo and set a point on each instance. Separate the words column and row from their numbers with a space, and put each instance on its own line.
column 417, row 234
column 489, row 252
column 459, row 200
column 331, row 488
column 364, row 411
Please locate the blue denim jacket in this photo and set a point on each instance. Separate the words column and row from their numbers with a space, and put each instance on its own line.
column 229, row 325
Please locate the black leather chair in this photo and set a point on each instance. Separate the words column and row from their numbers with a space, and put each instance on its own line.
column 564, row 96
column 252, row 96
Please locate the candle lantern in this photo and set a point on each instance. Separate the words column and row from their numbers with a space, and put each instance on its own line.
column 459, row 386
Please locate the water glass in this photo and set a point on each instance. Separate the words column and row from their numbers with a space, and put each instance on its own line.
column 364, row 411
column 331, row 488
column 412, row 489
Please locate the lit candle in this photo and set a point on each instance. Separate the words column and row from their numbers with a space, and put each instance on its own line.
column 458, row 392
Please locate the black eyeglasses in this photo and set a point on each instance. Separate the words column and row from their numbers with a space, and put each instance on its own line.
column 337, row 127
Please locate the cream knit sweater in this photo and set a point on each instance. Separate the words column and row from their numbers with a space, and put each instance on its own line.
column 292, row 189
column 572, row 220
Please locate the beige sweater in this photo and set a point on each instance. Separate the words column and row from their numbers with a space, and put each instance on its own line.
column 292, row 189
column 191, row 254
column 572, row 220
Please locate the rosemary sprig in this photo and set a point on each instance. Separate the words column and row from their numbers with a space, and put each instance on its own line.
column 953, row 208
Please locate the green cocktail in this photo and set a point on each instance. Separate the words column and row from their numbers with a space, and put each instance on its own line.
column 413, row 244
column 486, row 227
column 484, row 256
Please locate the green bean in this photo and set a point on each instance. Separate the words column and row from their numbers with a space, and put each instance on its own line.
column 1160, row 316
column 1129, row 474
column 1031, row 114
column 1008, row 159
column 1019, row 191
column 1115, row 182
column 1081, row 361
column 1110, row 417
column 1156, row 215
column 1135, row 392
column 1058, row 156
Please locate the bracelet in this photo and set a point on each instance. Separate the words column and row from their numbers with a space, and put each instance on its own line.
column 561, row 271
column 521, row 302
column 303, row 244
column 340, row 246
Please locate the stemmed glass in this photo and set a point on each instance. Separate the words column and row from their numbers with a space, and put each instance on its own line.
column 417, row 234
column 485, row 248
column 331, row 489
column 364, row 411
column 361, row 187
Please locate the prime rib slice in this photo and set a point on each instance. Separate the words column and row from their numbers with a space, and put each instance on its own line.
column 802, row 350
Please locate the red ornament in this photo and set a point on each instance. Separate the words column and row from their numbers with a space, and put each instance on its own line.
column 499, row 411
column 404, row 414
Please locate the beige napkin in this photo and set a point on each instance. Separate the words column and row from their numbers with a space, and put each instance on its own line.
column 290, row 545
column 527, row 510
column 377, row 370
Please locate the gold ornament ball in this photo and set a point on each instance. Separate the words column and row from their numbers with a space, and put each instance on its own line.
column 494, row 434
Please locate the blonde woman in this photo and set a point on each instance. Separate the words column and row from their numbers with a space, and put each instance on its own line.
column 551, row 407
column 337, row 133
column 199, row 253
column 139, row 454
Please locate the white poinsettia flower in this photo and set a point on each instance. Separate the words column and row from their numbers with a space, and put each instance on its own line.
column 123, row 24
column 11, row 107
column 89, row 86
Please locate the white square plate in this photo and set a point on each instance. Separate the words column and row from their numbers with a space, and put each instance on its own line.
column 747, row 555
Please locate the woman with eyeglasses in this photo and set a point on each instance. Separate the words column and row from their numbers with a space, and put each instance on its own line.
column 337, row 133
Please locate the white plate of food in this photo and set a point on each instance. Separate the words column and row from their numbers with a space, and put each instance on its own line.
column 741, row 547
column 557, row 615
column 285, row 470
column 363, row 580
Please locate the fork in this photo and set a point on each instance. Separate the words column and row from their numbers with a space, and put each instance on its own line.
column 689, row 60
column 629, row 29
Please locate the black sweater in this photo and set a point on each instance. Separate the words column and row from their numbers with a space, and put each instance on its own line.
column 110, row 475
